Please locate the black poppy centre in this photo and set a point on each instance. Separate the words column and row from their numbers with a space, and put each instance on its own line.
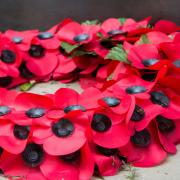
column 111, row 101
column 101, row 122
column 8, row 56
column 35, row 112
column 74, row 107
column 45, row 35
column 71, row 157
column 63, row 128
column 107, row 151
column 149, row 62
column 33, row 154
column 4, row 110
column 160, row 98
column 25, row 72
column 165, row 125
column 141, row 138
column 81, row 37
column 17, row 39
column 5, row 81
column 36, row 51
column 21, row 132
column 135, row 89
column 138, row 114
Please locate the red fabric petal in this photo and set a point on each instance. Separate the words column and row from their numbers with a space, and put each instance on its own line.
column 62, row 146
column 118, row 135
column 166, row 26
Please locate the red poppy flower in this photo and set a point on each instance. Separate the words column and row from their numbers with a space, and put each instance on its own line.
column 144, row 148
column 114, row 100
column 134, row 27
column 156, row 37
column 106, row 160
column 10, row 58
column 167, row 99
column 40, row 59
column 13, row 137
column 68, row 99
column 166, row 26
column 88, row 64
column 66, row 65
column 26, row 165
column 107, row 127
column 65, row 135
column 111, row 27
column 31, row 109
column 56, row 27
column 77, row 165
column 141, row 113
column 7, row 105
column 22, row 38
column 169, row 132
column 75, row 33
column 171, row 49
column 134, row 86
column 101, row 47
column 143, row 56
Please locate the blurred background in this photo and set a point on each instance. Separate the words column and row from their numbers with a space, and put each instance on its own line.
column 42, row 14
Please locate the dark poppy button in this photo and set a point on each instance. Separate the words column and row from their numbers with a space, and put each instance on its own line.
column 21, row 132
column 17, row 40
column 177, row 63
column 141, row 138
column 81, row 37
column 74, row 107
column 5, row 81
column 35, row 112
column 24, row 71
column 149, row 62
column 1, row 150
column 45, row 35
column 160, row 98
column 138, row 114
column 165, row 125
column 36, row 51
column 135, row 89
column 107, row 151
column 111, row 101
column 8, row 56
column 116, row 32
column 101, row 123
column 71, row 157
column 108, row 44
column 1, row 172
column 149, row 75
column 4, row 110
column 33, row 154
column 63, row 128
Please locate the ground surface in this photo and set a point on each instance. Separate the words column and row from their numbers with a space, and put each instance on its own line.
column 168, row 170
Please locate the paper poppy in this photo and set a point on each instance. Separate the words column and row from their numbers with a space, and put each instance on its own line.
column 75, row 33
column 144, row 148
column 65, row 135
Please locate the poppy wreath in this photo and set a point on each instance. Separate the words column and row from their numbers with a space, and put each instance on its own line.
column 128, row 112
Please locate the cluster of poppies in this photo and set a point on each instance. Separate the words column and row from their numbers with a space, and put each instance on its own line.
column 129, row 111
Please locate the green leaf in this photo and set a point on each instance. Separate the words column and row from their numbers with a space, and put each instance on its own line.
column 144, row 39
column 82, row 52
column 69, row 47
column 122, row 20
column 118, row 53
column 99, row 34
column 91, row 22
column 27, row 86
